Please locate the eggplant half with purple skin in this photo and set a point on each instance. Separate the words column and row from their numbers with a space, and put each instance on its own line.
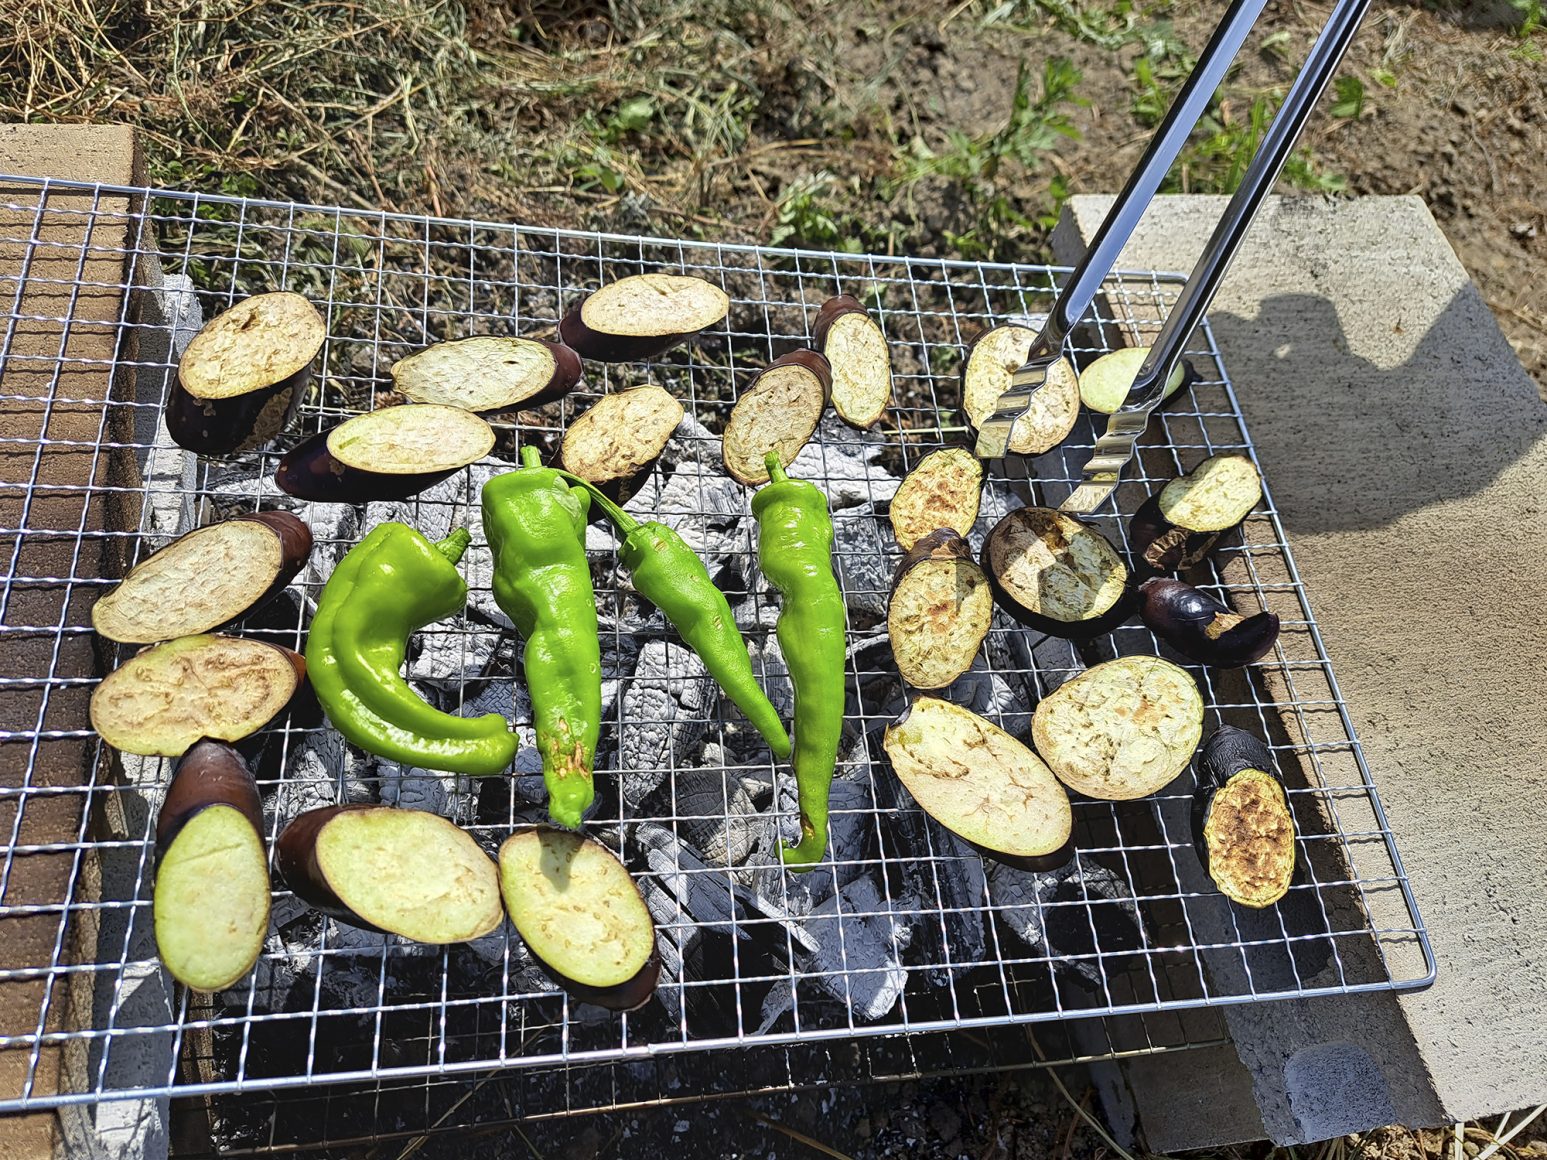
column 392, row 453
column 981, row 784
column 856, row 348
column 581, row 915
column 778, row 411
column 163, row 699
column 1242, row 824
column 642, row 316
column 1056, row 574
column 939, row 610
column 211, row 903
column 241, row 378
column 488, row 374
column 616, row 442
column 1202, row 628
column 1180, row 525
column 205, row 579
column 406, row 872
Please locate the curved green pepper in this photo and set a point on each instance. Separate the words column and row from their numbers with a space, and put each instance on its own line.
column 795, row 550
column 670, row 576
column 389, row 585
column 536, row 527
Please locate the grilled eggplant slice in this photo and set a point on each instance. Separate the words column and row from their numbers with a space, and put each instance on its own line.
column 778, row 411
column 1202, row 628
column 942, row 491
column 205, row 579
column 1180, row 526
column 581, row 915
column 856, row 349
column 642, row 316
column 616, row 443
column 405, row 872
column 996, row 355
column 163, row 699
column 981, row 784
column 1056, row 574
column 1104, row 384
column 939, row 611
column 392, row 453
column 1121, row 730
column 1242, row 825
column 211, row 903
column 241, row 378
column 488, row 374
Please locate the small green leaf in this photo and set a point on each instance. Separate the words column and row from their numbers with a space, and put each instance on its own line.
column 1350, row 97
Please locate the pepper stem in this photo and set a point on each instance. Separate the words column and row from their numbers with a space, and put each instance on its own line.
column 625, row 523
column 455, row 544
column 775, row 468
column 530, row 456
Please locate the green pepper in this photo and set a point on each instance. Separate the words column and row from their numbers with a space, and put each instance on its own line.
column 389, row 585
column 535, row 522
column 670, row 576
column 795, row 550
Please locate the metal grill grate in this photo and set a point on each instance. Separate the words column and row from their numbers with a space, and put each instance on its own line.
column 898, row 932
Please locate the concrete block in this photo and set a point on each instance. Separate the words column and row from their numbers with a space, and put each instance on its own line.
column 1404, row 446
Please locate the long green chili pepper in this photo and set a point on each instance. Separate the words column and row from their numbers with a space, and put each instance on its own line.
column 670, row 576
column 389, row 585
column 535, row 522
column 795, row 549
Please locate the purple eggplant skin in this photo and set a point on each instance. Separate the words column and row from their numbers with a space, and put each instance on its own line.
column 1226, row 753
column 813, row 360
column 566, row 373
column 240, row 423
column 629, row 996
column 1202, row 628
column 1160, row 546
column 211, row 773
column 295, row 857
column 309, row 471
column 1032, row 863
column 599, row 346
column 832, row 310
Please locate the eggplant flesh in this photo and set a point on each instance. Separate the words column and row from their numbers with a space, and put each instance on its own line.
column 1202, row 628
column 1242, row 823
column 1214, row 496
column 943, row 490
column 1161, row 546
column 488, row 374
column 1105, row 383
column 388, row 454
column 1056, row 574
column 939, row 610
column 779, row 411
column 642, row 316
column 981, row 784
column 581, row 915
column 615, row 444
column 862, row 363
column 994, row 358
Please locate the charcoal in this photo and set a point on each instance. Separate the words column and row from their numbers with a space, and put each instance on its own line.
column 324, row 770
column 862, row 936
column 847, row 463
column 450, row 654
column 717, row 813
column 1052, row 913
column 864, row 561
column 705, row 896
column 955, row 875
column 666, row 710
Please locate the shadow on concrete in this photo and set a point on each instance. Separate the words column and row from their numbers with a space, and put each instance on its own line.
column 1361, row 445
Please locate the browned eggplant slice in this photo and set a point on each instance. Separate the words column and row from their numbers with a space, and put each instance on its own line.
column 1056, row 574
column 996, row 355
column 163, row 699
column 211, row 901
column 939, row 611
column 205, row 579
column 241, row 378
column 1202, row 628
column 856, row 349
column 942, row 491
column 488, row 374
column 581, row 915
column 616, row 443
column 1121, row 730
column 1242, row 824
column 1180, row 526
column 405, row 872
column 1105, row 383
column 642, row 316
column 981, row 784
column 778, row 411
column 392, row 453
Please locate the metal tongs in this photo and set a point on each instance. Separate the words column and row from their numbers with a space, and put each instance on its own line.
column 1114, row 449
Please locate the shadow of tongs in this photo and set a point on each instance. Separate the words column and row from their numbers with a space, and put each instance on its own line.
column 1114, row 449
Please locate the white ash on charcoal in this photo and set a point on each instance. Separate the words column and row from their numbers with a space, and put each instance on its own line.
column 666, row 711
column 846, row 464
column 707, row 508
column 506, row 695
column 717, row 811
column 447, row 794
column 704, row 896
column 862, row 935
column 324, row 770
column 864, row 561
column 451, row 654
column 1054, row 913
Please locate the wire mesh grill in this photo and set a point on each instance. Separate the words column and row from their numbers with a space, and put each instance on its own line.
column 899, row 931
